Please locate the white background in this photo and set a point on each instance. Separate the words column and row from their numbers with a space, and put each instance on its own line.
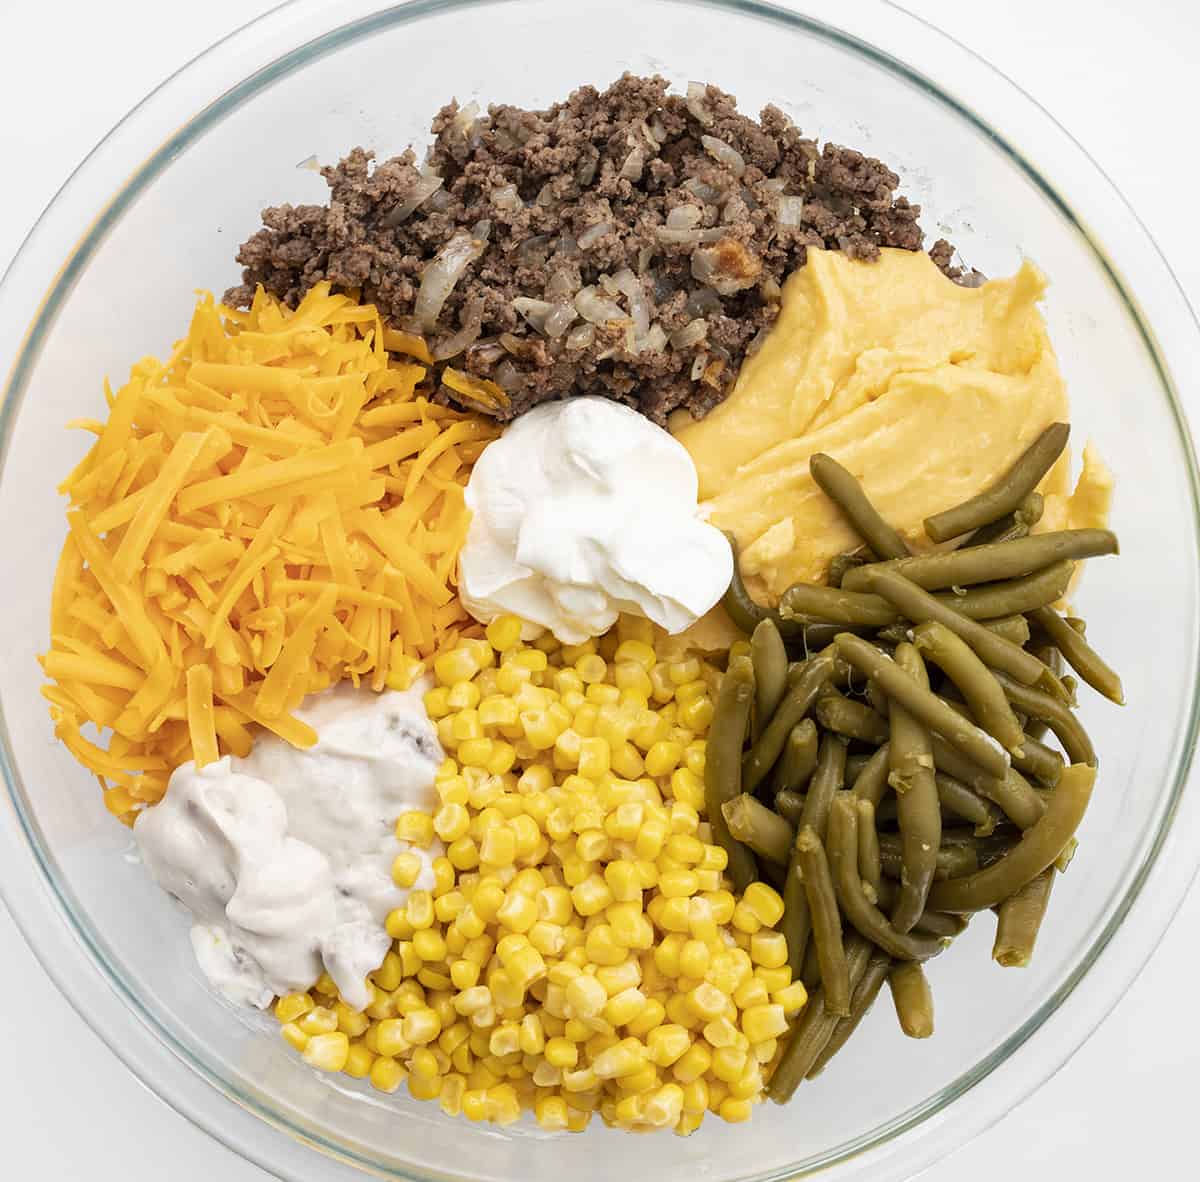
column 1122, row 77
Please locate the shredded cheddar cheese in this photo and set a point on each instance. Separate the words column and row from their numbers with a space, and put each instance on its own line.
column 276, row 507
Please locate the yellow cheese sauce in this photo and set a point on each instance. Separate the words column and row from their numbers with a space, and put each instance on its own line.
column 925, row 390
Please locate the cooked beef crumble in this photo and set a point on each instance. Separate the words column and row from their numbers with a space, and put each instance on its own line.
column 627, row 243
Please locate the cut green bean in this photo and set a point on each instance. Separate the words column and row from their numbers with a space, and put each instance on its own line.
column 795, row 705
column 870, row 870
column 987, row 564
column 840, row 564
column 855, row 720
column 1036, row 850
column 796, row 924
column 862, row 914
column 756, row 826
column 813, row 1029
column 917, row 809
column 799, row 757
column 1014, row 629
column 826, row 782
column 861, row 1001
column 1016, row 524
column 986, row 700
column 931, row 923
column 810, row 974
column 1079, row 654
column 1011, row 597
column 1042, row 762
column 974, row 743
column 955, row 797
column 811, row 604
column 921, row 607
column 826, row 921
column 744, row 610
column 951, row 861
column 846, row 492
column 912, row 998
column 1019, row 919
column 871, row 783
column 855, row 764
column 723, row 763
column 770, row 659
column 1007, row 493
column 1012, row 793
column 789, row 805
column 1066, row 727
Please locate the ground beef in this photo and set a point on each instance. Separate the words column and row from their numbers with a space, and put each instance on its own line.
column 649, row 255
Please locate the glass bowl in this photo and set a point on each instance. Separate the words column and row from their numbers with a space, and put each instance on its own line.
column 157, row 210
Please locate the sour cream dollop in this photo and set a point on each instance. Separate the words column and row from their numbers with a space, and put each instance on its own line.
column 284, row 858
column 584, row 509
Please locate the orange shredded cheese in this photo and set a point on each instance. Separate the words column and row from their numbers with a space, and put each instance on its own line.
column 276, row 507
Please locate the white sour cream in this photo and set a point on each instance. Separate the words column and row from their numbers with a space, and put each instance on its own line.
column 284, row 858
column 581, row 510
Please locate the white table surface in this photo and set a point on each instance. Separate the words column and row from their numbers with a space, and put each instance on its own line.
column 69, row 69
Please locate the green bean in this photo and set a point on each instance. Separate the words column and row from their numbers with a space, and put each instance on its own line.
column 789, row 805
column 1042, row 762
column 1079, row 654
column 987, row 564
column 931, row 923
column 826, row 782
column 826, row 921
column 870, row 869
column 950, row 861
column 1007, row 493
column 1018, row 920
column 846, row 492
column 857, row 908
column 855, row 720
column 855, row 764
column 1066, row 727
column 1067, row 856
column 917, row 811
column 792, row 709
column 814, row 1029
column 811, row 638
column 1016, row 524
column 1079, row 625
column 912, row 998
column 795, row 765
column 1014, row 629
column 1011, row 792
column 1011, row 597
column 810, row 974
column 796, row 924
column 973, row 680
column 723, row 763
column 863, row 998
column 1036, row 850
column 809, row 603
column 746, row 612
column 871, row 783
column 957, row 798
column 877, row 700
column 770, row 659
column 840, row 564
column 756, row 826
column 773, row 873
column 921, row 607
column 923, row 705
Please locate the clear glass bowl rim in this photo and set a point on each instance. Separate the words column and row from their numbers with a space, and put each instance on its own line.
column 28, row 881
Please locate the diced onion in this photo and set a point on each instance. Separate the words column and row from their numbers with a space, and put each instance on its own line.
column 790, row 211
column 639, row 310
column 699, row 365
column 441, row 274
column 631, row 170
column 593, row 234
column 684, row 217
column 690, row 334
column 425, row 188
column 656, row 338
column 671, row 237
column 722, row 153
column 595, row 309
column 558, row 320
column 697, row 92
column 582, row 336
column 534, row 311
column 506, row 198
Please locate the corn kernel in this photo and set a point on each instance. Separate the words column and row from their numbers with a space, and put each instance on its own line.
column 662, row 758
column 692, row 1064
column 792, row 998
column 765, row 902
column 694, row 958
column 561, row 1053
column 429, row 945
column 415, row 828
column 649, row 838
column 769, row 949
column 327, row 1052
column 294, row 1036
column 591, row 896
column 649, row 1019
column 752, row 992
column 593, row 758
column 503, row 633
column 735, row 1111
column 624, row 1007
column 586, row 997
column 450, row 823
column 744, row 918
column 292, row 1006
column 319, row 1020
